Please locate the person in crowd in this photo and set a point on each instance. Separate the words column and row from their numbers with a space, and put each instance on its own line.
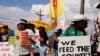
column 56, row 40
column 33, row 40
column 93, row 40
column 29, row 28
column 77, row 28
column 25, row 50
column 0, row 34
column 51, row 41
column 97, row 29
column 43, row 41
column 4, row 34
column 0, row 37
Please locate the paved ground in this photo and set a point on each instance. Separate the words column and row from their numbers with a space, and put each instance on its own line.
column 50, row 53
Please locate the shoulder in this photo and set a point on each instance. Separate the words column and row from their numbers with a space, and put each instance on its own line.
column 69, row 31
column 30, row 32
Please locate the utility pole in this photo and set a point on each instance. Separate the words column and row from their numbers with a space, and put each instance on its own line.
column 82, row 7
column 40, row 14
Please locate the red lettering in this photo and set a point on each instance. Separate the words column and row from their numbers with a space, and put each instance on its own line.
column 4, row 54
column 9, row 55
column 7, row 45
column 7, row 49
column 2, row 49
column 1, row 44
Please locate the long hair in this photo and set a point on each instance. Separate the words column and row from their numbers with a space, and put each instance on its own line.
column 43, row 33
column 31, row 26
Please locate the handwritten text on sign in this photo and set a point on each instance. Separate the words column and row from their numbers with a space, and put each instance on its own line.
column 4, row 49
column 74, row 46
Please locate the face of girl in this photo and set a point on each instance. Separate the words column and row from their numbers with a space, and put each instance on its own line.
column 20, row 27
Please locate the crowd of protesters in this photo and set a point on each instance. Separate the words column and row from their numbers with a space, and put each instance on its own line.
column 77, row 28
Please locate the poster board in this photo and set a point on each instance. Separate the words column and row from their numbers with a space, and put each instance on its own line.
column 6, row 49
column 74, row 46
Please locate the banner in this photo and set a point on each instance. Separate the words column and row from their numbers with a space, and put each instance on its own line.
column 56, row 9
column 74, row 46
column 39, row 23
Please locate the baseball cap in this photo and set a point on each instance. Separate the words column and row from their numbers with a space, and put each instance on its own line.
column 97, row 5
column 78, row 17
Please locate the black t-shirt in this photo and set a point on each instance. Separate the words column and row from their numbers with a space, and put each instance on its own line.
column 55, row 46
column 44, row 37
column 0, row 37
column 4, row 36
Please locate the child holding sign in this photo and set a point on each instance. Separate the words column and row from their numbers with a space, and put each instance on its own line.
column 23, row 37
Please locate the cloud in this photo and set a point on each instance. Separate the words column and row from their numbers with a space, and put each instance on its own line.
column 12, row 15
column 44, row 11
column 13, row 12
column 71, row 7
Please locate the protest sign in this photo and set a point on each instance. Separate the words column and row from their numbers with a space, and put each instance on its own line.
column 6, row 49
column 74, row 46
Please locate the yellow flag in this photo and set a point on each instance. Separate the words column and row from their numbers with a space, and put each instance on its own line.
column 56, row 9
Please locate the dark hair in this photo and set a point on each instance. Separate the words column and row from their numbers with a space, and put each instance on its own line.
column 23, row 20
column 43, row 28
column 43, row 34
column 31, row 26
column 5, row 27
column 59, row 31
column 24, row 24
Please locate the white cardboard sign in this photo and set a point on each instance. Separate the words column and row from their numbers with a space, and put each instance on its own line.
column 74, row 46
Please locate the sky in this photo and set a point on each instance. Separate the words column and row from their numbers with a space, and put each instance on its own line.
column 13, row 10
column 25, row 4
